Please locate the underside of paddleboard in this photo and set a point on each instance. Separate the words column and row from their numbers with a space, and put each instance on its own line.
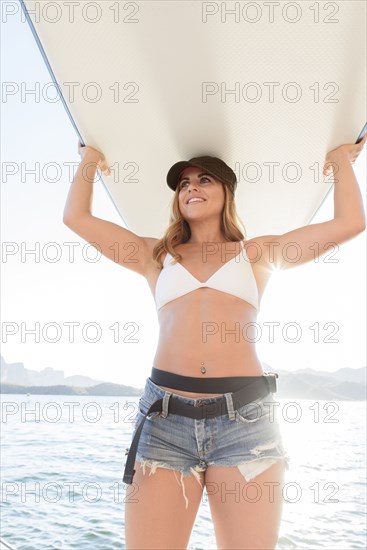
column 269, row 87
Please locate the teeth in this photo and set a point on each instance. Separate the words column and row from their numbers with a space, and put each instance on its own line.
column 195, row 200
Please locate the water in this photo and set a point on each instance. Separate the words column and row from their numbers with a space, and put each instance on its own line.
column 62, row 468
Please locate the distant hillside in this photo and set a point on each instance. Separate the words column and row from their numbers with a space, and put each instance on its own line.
column 16, row 373
column 100, row 389
column 344, row 384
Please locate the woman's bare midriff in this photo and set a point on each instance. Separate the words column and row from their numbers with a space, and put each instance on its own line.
column 211, row 329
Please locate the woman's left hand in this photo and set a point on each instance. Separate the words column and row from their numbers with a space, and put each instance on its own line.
column 350, row 150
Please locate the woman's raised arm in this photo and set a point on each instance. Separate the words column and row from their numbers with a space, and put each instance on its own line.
column 113, row 241
column 312, row 241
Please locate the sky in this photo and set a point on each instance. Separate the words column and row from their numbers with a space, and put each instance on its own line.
column 45, row 290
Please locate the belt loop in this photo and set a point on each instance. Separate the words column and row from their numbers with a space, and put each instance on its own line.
column 166, row 397
column 230, row 407
column 271, row 380
column 267, row 380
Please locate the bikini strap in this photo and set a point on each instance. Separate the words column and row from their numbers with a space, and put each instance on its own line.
column 167, row 257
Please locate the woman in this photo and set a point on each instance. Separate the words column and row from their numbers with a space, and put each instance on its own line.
column 207, row 415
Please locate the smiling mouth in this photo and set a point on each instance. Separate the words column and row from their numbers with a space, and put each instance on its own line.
column 195, row 201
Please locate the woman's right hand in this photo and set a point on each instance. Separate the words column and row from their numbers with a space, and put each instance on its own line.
column 97, row 157
column 351, row 151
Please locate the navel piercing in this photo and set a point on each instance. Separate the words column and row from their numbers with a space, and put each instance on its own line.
column 203, row 369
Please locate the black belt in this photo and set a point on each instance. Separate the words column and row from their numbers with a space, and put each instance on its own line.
column 255, row 390
column 200, row 385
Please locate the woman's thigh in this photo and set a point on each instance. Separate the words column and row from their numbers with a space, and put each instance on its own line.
column 156, row 516
column 162, row 502
column 246, row 514
column 245, row 475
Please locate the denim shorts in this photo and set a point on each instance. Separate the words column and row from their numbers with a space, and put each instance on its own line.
column 248, row 438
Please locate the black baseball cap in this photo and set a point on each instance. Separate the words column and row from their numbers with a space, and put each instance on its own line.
column 211, row 165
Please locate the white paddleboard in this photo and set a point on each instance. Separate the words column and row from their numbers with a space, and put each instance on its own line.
column 270, row 89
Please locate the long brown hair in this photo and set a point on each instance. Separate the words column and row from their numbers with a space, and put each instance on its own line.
column 179, row 232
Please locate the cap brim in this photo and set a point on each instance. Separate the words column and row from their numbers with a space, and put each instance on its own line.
column 175, row 171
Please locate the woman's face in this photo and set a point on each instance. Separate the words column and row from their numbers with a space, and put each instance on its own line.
column 195, row 183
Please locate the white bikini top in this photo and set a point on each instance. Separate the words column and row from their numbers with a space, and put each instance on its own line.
column 235, row 277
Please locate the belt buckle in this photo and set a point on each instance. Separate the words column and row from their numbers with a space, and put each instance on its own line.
column 208, row 408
